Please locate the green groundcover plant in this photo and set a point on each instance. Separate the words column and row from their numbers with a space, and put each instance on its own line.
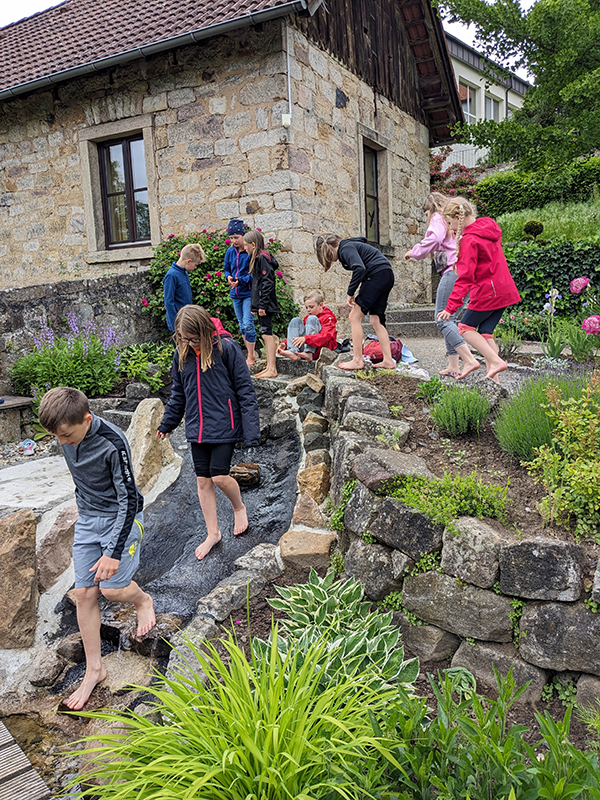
column 209, row 285
column 460, row 410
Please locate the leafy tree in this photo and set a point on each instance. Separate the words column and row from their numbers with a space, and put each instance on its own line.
column 558, row 42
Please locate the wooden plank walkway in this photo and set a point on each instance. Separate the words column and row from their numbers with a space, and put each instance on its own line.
column 18, row 779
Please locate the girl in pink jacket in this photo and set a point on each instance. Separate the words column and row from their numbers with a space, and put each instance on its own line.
column 441, row 242
column 482, row 272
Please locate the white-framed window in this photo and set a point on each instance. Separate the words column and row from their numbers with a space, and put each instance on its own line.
column 492, row 109
column 468, row 101
column 120, row 190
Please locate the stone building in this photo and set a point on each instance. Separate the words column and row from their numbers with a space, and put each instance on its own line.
column 128, row 121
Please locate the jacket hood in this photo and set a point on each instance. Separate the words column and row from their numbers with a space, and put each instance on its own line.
column 485, row 228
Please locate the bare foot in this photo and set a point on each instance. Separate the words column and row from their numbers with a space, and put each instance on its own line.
column 306, row 356
column 267, row 373
column 240, row 524
column 146, row 617
column 80, row 696
column 351, row 364
column 493, row 371
column 207, row 545
column 448, row 373
column 288, row 354
column 251, row 361
column 385, row 365
column 468, row 369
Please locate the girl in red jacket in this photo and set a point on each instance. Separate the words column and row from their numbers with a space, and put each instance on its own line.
column 482, row 271
column 306, row 337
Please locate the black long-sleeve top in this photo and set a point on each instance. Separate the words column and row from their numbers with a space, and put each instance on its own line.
column 362, row 259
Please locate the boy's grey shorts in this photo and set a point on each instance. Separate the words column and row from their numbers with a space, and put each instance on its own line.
column 92, row 535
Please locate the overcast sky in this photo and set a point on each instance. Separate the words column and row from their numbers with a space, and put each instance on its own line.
column 13, row 11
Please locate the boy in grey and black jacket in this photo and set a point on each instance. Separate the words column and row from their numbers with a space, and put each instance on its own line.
column 109, row 530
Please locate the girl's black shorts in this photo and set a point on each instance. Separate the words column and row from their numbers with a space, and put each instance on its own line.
column 265, row 325
column 212, row 459
column 374, row 292
column 483, row 321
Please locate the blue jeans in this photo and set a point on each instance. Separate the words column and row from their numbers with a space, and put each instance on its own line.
column 448, row 328
column 245, row 318
column 298, row 328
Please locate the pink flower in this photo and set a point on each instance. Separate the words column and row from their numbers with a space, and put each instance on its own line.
column 279, row 272
column 259, row 229
column 227, row 241
column 202, row 292
column 144, row 302
column 218, row 274
column 591, row 324
column 579, row 284
column 208, row 276
column 501, row 320
column 271, row 240
column 204, row 231
column 216, row 247
column 512, row 316
column 171, row 236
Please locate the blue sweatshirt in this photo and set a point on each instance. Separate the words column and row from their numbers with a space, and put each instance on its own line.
column 236, row 264
column 104, row 483
column 178, row 292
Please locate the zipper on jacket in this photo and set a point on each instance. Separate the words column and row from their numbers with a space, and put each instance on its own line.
column 199, row 398
column 231, row 413
column 493, row 288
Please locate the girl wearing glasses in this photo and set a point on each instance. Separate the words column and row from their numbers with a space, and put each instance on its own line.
column 213, row 388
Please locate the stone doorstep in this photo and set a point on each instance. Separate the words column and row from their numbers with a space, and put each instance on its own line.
column 16, row 401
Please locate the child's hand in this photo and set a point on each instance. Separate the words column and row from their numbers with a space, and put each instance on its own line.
column 161, row 435
column 262, row 312
column 231, row 282
column 408, row 254
column 350, row 301
column 444, row 316
column 298, row 341
column 105, row 568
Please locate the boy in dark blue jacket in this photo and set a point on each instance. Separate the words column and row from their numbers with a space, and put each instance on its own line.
column 237, row 272
column 176, row 283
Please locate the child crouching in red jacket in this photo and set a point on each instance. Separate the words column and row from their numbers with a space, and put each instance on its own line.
column 306, row 337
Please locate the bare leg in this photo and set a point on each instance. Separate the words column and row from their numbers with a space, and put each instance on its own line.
column 470, row 363
column 356, row 318
column 208, row 504
column 384, row 341
column 489, row 350
column 231, row 489
column 88, row 619
column 144, row 605
column 453, row 367
column 271, row 368
column 250, row 347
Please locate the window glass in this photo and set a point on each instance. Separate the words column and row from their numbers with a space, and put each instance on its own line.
column 492, row 109
column 118, row 218
column 142, row 215
column 115, row 169
column 138, row 164
column 371, row 195
column 467, row 100
column 124, row 191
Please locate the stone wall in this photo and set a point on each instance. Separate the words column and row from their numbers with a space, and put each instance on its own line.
column 113, row 301
column 212, row 115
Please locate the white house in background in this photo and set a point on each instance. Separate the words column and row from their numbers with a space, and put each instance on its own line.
column 479, row 98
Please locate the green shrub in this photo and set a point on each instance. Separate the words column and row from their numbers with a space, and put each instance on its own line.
column 582, row 344
column 147, row 362
column 431, row 391
column 445, row 499
column 505, row 192
column 522, row 424
column 571, row 221
column 460, row 411
column 533, row 228
column 508, row 340
column 86, row 359
column 209, row 285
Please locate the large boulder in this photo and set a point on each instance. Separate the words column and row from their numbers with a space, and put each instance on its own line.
column 46, row 668
column 345, row 449
column 588, row 692
column 481, row 658
column 542, row 569
column 263, row 558
column 55, row 552
column 471, row 552
column 361, row 509
column 315, row 423
column 339, row 390
column 387, row 432
column 406, row 529
column 427, row 642
column 371, row 565
column 375, row 466
column 308, row 514
column 561, row 636
column 303, row 549
column 366, row 405
column 18, row 579
column 596, row 584
column 464, row 610
column 315, row 481
column 149, row 454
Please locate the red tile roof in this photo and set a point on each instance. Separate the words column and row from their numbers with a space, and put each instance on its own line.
column 79, row 32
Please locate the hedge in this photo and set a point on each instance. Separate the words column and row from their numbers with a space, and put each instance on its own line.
column 511, row 191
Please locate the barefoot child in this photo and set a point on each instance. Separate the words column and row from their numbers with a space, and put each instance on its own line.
column 306, row 337
column 442, row 242
column 212, row 386
column 237, row 272
column 482, row 271
column 177, row 287
column 373, row 273
column 109, row 530
column 264, row 295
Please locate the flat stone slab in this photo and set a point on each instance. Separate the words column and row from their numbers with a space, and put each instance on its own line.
column 302, row 549
column 376, row 465
column 406, row 529
column 471, row 552
column 466, row 611
column 542, row 569
column 15, row 401
column 366, row 405
column 561, row 636
column 481, row 657
column 387, row 432
column 41, row 483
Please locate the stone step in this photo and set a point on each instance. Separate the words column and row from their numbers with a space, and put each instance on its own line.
column 409, row 330
column 120, row 418
column 415, row 314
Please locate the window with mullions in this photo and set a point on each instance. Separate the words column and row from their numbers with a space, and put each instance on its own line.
column 124, row 191
column 467, row 97
column 371, row 195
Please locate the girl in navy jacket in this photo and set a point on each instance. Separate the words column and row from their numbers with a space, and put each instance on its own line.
column 264, row 295
column 213, row 388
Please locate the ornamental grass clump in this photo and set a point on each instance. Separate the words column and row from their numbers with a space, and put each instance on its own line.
column 522, row 425
column 459, row 411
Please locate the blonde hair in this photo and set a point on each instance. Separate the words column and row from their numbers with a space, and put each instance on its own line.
column 62, row 405
column 326, row 249
column 256, row 238
column 434, row 202
column 315, row 295
column 194, row 252
column 461, row 208
column 195, row 322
